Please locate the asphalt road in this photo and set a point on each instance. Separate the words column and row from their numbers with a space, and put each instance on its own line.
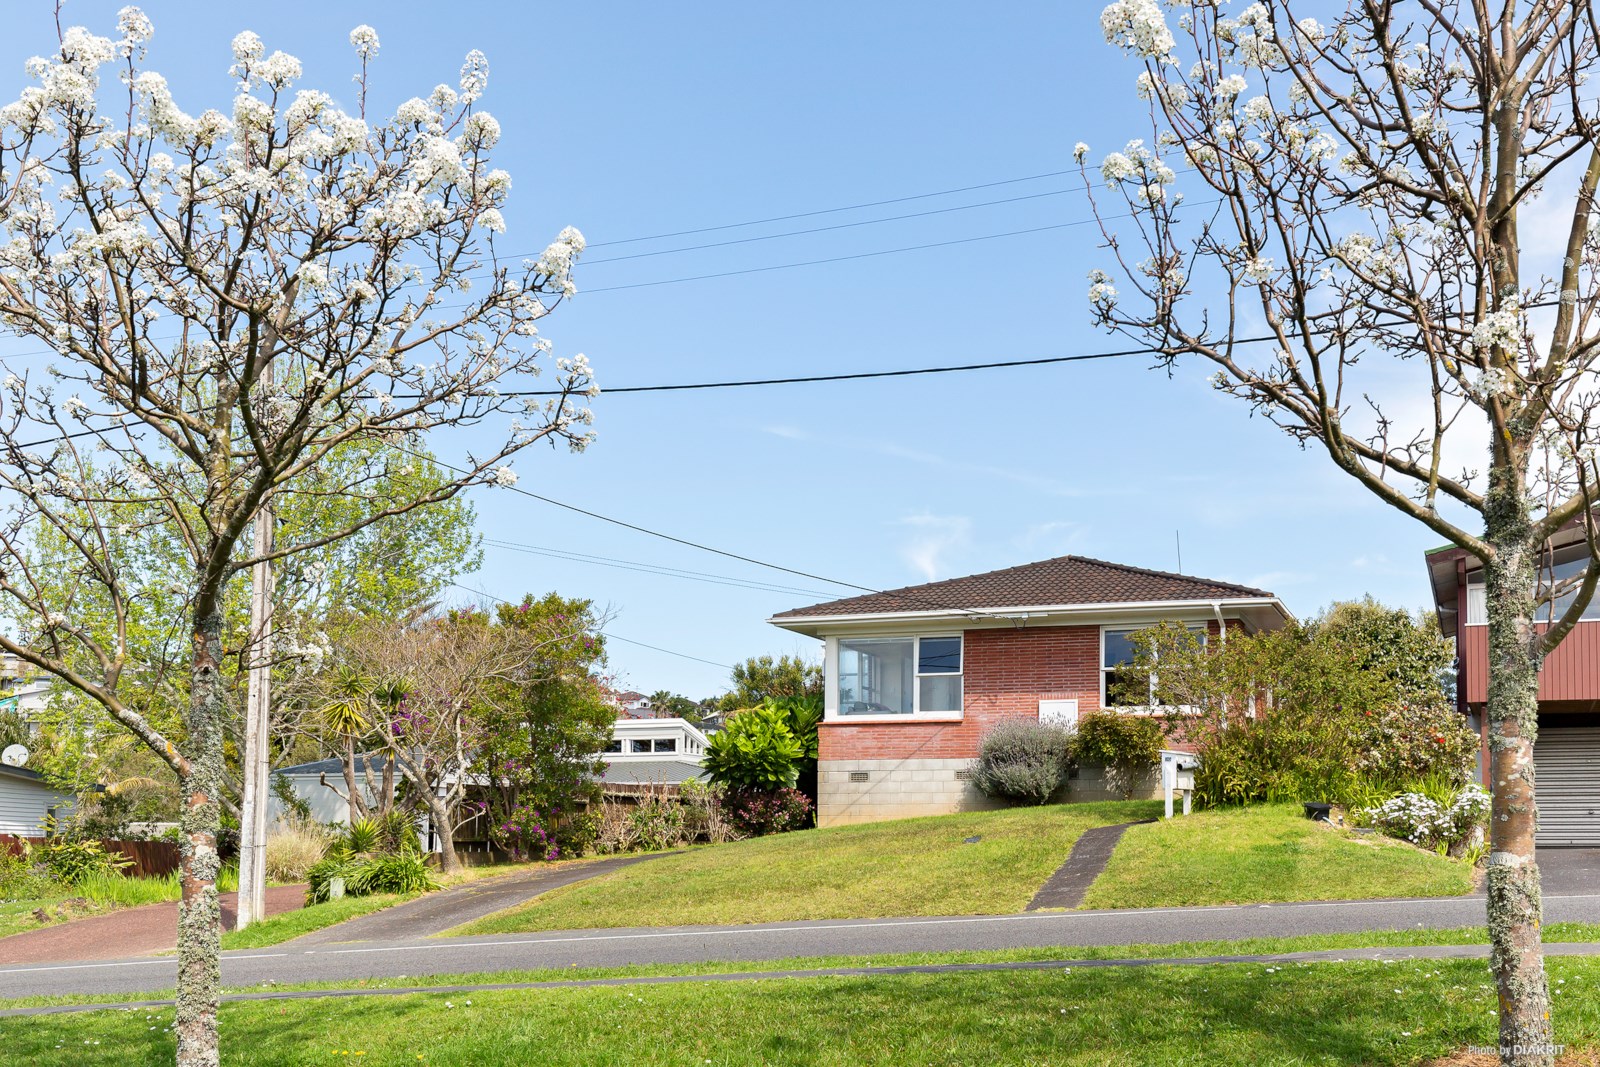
column 773, row 941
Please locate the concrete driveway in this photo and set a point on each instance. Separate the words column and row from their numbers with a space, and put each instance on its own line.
column 1569, row 872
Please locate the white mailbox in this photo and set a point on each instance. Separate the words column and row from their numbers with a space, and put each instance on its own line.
column 1177, row 776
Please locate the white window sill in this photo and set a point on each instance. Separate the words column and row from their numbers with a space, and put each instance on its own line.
column 846, row 720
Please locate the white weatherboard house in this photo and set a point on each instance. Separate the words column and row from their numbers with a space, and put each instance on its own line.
column 26, row 800
column 654, row 751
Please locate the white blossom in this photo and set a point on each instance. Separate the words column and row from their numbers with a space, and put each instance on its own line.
column 1257, row 269
column 1231, row 86
column 1079, row 151
column 364, row 39
column 1499, row 329
column 1138, row 26
column 474, row 76
column 505, row 477
column 492, row 220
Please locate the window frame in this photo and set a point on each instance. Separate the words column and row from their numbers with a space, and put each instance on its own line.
column 1150, row 707
column 916, row 714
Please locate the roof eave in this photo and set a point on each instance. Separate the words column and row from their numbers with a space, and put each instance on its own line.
column 813, row 625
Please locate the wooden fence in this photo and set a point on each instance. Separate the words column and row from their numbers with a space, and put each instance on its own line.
column 153, row 859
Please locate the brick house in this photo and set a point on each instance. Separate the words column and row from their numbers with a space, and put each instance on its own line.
column 1566, row 754
column 915, row 676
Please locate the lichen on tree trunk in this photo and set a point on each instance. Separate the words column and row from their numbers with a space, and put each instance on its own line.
column 199, row 914
column 1514, row 907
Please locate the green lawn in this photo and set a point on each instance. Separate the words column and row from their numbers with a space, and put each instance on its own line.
column 1316, row 1014
column 1267, row 853
column 292, row 924
column 905, row 867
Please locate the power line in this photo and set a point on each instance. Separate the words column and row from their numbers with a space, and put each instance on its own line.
column 606, row 634
column 832, row 210
column 858, row 375
column 826, row 229
column 650, row 568
column 840, row 259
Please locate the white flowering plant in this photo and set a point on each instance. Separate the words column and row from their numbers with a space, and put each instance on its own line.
column 1449, row 824
column 277, row 296
column 1359, row 269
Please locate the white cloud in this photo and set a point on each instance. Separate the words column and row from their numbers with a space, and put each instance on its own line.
column 933, row 536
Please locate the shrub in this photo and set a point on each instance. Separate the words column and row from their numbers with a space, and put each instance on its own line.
column 1448, row 823
column 293, row 850
column 1127, row 746
column 524, row 833
column 756, row 812
column 373, row 856
column 756, row 750
column 72, row 859
column 1409, row 739
column 20, row 877
column 1023, row 760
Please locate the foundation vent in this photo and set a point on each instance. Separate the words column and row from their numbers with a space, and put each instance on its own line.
column 964, row 776
column 858, row 776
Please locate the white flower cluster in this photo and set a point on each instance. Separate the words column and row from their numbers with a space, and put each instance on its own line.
column 1424, row 821
column 505, row 477
column 1499, row 329
column 1138, row 163
column 1079, row 152
column 136, row 30
column 557, row 260
column 1102, row 294
column 1252, row 37
column 364, row 39
column 1257, row 269
column 1139, row 27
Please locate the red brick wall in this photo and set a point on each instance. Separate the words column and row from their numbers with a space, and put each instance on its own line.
column 1005, row 673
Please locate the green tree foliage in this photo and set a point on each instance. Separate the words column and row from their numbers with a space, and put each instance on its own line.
column 669, row 705
column 755, row 750
column 760, row 677
column 1352, row 701
column 539, row 742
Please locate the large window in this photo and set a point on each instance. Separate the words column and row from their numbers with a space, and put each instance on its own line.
column 1121, row 686
column 899, row 676
column 1563, row 571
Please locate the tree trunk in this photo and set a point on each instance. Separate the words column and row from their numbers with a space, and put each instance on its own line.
column 439, row 812
column 1517, row 957
column 199, row 916
column 352, row 795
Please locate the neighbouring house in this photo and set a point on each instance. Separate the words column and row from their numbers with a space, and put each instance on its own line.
column 27, row 800
column 328, row 805
column 646, row 753
column 1566, row 754
column 632, row 705
column 24, row 689
column 915, row 676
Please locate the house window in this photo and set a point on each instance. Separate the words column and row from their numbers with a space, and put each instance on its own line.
column 639, row 746
column 899, row 676
column 614, row 746
column 666, row 744
column 1121, row 686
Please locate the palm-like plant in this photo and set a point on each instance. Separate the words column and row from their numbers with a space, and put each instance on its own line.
column 347, row 714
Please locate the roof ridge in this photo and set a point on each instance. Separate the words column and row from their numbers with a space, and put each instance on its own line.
column 1167, row 574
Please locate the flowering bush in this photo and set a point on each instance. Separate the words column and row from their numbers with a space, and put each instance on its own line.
column 1406, row 740
column 1023, row 760
column 1444, row 824
column 759, row 811
column 663, row 818
column 524, row 833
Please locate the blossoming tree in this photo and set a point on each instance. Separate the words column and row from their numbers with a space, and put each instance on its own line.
column 225, row 299
column 1357, row 192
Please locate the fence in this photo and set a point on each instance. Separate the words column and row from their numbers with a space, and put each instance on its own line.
column 152, row 859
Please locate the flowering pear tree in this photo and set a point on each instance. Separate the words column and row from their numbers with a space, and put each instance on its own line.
column 225, row 299
column 1356, row 194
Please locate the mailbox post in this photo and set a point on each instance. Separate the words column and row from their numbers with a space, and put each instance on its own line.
column 1177, row 776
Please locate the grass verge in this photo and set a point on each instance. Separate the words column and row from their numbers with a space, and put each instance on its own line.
column 95, row 895
column 292, row 924
column 906, row 867
column 1262, row 854
column 1317, row 1014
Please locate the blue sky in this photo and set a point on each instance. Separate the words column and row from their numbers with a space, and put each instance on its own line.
column 628, row 120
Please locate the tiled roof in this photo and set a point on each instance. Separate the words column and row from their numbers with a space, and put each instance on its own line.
column 639, row 772
column 1061, row 581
